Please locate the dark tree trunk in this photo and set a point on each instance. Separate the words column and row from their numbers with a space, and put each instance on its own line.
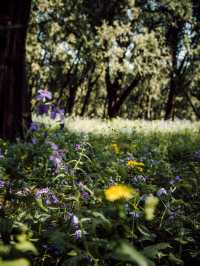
column 116, row 95
column 71, row 99
column 14, row 96
column 87, row 97
column 169, row 109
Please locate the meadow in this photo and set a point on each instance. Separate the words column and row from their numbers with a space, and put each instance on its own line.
column 101, row 192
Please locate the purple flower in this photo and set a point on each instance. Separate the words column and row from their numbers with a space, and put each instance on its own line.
column 34, row 126
column 2, row 184
column 135, row 214
column 75, row 221
column 53, row 145
column 57, row 156
column 42, row 109
column 178, row 178
column 78, row 234
column 44, row 95
column 51, row 199
column 161, row 192
column 54, row 112
column 41, row 191
column 34, row 140
column 57, row 159
column 77, row 147
column 85, row 195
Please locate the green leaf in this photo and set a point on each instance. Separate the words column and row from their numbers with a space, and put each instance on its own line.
column 72, row 253
column 175, row 260
column 40, row 204
column 153, row 250
column 126, row 252
column 18, row 262
column 26, row 246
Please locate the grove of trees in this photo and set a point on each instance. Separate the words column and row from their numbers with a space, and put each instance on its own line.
column 128, row 58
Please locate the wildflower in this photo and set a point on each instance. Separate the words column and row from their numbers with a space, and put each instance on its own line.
column 115, row 148
column 2, row 184
column 85, row 195
column 42, row 109
column 77, row 147
column 34, row 140
column 135, row 214
column 132, row 163
column 44, row 95
column 75, row 221
column 78, row 234
column 161, row 192
column 57, row 159
column 53, row 145
column 51, row 199
column 34, row 127
column 178, row 178
column 117, row 192
column 150, row 206
column 54, row 112
column 40, row 192
column 57, row 113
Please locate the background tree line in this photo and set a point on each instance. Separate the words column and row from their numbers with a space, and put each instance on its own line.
column 128, row 58
column 135, row 59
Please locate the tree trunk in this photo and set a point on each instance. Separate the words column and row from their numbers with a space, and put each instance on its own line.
column 14, row 96
column 169, row 110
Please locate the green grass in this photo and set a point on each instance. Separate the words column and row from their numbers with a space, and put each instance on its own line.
column 111, row 232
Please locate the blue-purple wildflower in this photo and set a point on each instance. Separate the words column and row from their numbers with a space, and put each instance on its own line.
column 51, row 199
column 34, row 140
column 135, row 214
column 44, row 95
column 74, row 221
column 176, row 180
column 77, row 146
column 2, row 184
column 78, row 234
column 41, row 191
column 42, row 109
column 161, row 192
column 34, row 126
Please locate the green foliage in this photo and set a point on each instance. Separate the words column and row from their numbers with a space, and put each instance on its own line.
column 73, row 44
column 62, row 214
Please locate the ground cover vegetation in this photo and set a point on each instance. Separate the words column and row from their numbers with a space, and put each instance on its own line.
column 93, row 171
column 111, row 196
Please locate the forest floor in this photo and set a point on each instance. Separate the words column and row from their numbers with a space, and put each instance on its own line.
column 99, row 192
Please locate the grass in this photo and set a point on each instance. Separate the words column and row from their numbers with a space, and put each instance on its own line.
column 54, row 202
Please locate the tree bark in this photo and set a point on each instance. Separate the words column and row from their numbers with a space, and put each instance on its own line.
column 169, row 110
column 14, row 96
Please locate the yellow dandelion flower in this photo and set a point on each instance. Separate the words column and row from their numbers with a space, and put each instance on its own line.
column 119, row 191
column 115, row 148
column 132, row 163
